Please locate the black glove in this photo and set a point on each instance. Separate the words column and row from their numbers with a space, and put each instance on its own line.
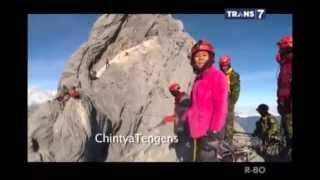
column 212, row 136
column 207, row 142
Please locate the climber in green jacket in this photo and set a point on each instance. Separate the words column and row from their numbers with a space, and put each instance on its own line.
column 233, row 79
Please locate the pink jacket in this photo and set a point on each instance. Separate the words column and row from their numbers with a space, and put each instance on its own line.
column 209, row 103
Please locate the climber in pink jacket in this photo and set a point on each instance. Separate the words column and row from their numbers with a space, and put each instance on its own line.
column 208, row 110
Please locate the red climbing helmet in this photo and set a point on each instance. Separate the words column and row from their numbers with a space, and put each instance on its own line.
column 285, row 42
column 202, row 45
column 73, row 93
column 174, row 87
column 225, row 60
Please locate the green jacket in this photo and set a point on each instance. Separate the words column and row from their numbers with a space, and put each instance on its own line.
column 234, row 84
column 266, row 127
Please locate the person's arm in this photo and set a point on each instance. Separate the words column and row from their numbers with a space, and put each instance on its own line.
column 220, row 103
column 235, row 90
column 257, row 131
column 273, row 127
column 183, row 107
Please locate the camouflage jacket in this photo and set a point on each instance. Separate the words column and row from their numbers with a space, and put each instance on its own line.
column 266, row 127
column 234, row 86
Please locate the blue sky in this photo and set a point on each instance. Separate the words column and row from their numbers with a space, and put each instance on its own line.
column 251, row 44
column 51, row 41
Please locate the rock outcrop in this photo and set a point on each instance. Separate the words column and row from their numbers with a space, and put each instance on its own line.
column 144, row 54
column 122, row 73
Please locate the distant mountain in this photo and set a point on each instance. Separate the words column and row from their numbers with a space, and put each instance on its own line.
column 245, row 111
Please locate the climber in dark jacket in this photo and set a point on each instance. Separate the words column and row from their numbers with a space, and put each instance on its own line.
column 181, row 103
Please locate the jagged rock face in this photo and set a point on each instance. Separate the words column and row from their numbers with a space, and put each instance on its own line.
column 145, row 53
column 57, row 133
column 244, row 140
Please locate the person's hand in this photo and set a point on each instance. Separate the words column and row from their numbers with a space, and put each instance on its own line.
column 212, row 135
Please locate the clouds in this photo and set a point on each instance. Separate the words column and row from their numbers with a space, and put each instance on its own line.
column 37, row 95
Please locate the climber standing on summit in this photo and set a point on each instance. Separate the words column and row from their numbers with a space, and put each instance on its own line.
column 284, row 58
column 207, row 113
column 233, row 79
